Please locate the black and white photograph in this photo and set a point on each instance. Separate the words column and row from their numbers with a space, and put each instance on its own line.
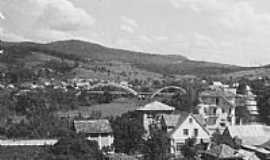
column 134, row 80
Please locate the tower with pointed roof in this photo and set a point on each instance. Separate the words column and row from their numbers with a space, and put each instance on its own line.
column 149, row 112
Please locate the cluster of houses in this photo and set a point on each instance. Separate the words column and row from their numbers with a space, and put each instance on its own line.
column 78, row 84
column 217, row 112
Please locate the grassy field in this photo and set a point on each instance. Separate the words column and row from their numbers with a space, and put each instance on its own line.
column 116, row 108
column 111, row 109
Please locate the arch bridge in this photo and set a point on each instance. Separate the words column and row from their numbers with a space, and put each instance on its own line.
column 159, row 91
column 132, row 91
column 114, row 85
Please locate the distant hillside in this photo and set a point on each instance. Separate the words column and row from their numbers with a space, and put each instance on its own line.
column 249, row 73
column 90, row 51
column 95, row 53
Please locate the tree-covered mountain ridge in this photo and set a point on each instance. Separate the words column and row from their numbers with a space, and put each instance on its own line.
column 94, row 53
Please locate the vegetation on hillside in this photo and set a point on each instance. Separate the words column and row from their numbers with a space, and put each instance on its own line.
column 89, row 52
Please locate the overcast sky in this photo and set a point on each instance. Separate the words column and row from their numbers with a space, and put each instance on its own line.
column 226, row 31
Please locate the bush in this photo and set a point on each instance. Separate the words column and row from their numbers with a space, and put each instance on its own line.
column 73, row 148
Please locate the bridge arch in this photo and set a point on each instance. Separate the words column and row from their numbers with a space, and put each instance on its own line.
column 168, row 87
column 126, row 88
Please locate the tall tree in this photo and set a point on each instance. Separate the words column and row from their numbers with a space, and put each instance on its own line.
column 189, row 150
column 157, row 146
column 128, row 133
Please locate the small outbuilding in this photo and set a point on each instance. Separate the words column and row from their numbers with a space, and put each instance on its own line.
column 98, row 130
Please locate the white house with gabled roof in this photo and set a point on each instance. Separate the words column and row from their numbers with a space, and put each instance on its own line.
column 182, row 126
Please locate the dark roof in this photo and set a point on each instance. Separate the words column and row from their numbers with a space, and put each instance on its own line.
column 223, row 151
column 92, row 126
column 171, row 120
column 218, row 93
column 266, row 145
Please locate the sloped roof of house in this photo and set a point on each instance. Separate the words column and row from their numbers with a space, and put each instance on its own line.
column 254, row 134
column 266, row 145
column 172, row 120
column 219, row 93
column 248, row 155
column 176, row 121
column 156, row 106
column 200, row 119
column 92, row 126
column 223, row 151
column 256, row 149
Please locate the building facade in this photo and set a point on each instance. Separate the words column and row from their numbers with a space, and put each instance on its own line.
column 221, row 106
column 217, row 106
column 149, row 114
column 181, row 127
column 96, row 130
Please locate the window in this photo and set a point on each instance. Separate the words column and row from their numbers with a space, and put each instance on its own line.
column 179, row 146
column 222, row 124
column 204, row 110
column 190, row 120
column 185, row 132
column 149, row 116
column 223, row 110
column 196, row 132
column 217, row 101
column 230, row 111
column 214, row 111
column 229, row 119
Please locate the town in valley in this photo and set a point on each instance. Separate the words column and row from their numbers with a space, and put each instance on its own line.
column 134, row 80
column 47, row 111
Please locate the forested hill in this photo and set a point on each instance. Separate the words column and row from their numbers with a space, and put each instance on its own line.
column 90, row 52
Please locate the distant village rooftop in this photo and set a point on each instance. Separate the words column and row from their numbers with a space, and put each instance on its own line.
column 217, row 93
